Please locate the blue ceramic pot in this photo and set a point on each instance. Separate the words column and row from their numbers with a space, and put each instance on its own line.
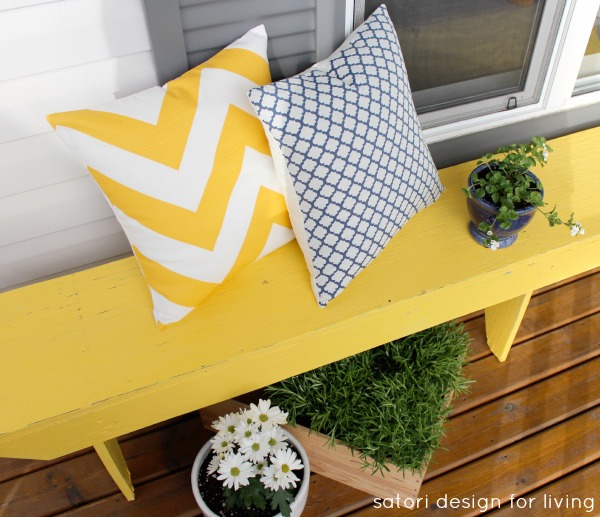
column 482, row 210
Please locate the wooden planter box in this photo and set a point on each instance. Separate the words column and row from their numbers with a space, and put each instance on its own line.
column 338, row 462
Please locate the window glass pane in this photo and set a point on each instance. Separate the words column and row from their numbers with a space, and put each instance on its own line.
column 463, row 51
column 588, row 78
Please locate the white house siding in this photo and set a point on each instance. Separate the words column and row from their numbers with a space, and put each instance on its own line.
column 58, row 55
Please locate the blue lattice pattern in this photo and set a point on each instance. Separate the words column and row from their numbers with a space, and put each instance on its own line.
column 349, row 136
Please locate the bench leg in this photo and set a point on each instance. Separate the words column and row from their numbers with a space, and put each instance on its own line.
column 112, row 457
column 502, row 322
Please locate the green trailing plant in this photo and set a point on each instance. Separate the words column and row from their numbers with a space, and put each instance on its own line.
column 389, row 404
column 506, row 184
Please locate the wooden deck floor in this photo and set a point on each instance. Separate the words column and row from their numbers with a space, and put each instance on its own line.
column 529, row 429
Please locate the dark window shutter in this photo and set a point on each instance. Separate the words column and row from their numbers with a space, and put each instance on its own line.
column 185, row 33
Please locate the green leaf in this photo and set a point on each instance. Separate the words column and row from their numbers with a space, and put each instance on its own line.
column 280, row 501
column 507, row 183
column 254, row 494
column 385, row 402
column 519, row 191
column 535, row 198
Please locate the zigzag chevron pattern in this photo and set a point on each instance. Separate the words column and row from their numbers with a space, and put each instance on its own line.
column 188, row 172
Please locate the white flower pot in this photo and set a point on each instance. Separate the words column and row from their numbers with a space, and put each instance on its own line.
column 299, row 501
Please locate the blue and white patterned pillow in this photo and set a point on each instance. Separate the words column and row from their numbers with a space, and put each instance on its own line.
column 348, row 147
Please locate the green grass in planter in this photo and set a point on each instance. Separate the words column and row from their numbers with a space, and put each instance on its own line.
column 388, row 403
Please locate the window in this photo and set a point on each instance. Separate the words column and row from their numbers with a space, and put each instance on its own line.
column 466, row 58
column 588, row 78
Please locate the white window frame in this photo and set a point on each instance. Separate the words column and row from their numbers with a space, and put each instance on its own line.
column 557, row 91
column 528, row 95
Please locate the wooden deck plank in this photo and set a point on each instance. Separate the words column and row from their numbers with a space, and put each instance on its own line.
column 172, row 496
column 516, row 416
column 558, row 307
column 542, row 290
column 164, row 497
column 579, row 491
column 549, row 309
column 531, row 362
column 328, row 497
column 82, row 479
column 56, row 488
column 13, row 467
column 518, row 469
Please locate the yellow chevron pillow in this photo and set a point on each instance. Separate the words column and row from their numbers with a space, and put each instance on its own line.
column 188, row 172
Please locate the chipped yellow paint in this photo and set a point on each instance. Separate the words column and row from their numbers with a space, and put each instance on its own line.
column 84, row 363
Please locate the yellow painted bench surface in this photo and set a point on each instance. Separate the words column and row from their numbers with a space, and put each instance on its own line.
column 82, row 361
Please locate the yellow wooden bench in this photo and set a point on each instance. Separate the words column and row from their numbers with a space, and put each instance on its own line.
column 83, row 363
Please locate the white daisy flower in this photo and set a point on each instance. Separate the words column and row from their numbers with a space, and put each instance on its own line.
column 234, row 471
column 246, row 416
column 266, row 415
column 287, row 480
column 255, row 448
column 244, row 430
column 227, row 422
column 274, row 479
column 276, row 439
column 494, row 245
column 286, row 460
column 214, row 463
column 222, row 442
column 269, row 479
